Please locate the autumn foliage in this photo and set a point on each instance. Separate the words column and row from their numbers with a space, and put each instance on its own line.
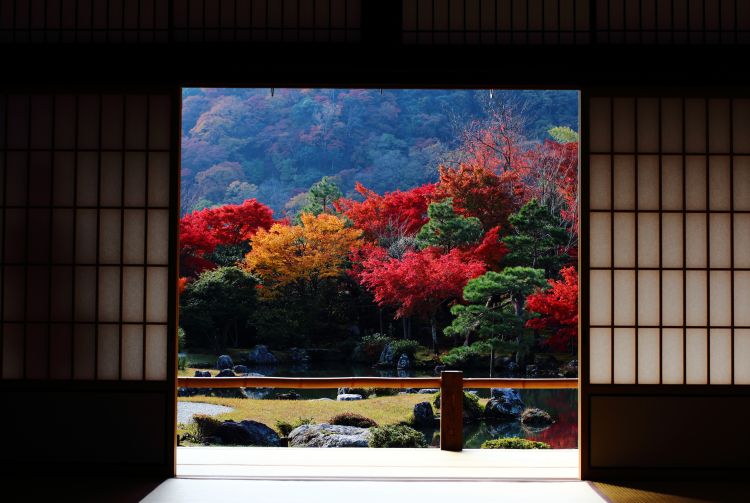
column 558, row 310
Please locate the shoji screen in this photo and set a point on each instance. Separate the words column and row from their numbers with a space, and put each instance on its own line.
column 666, row 271
column 88, row 201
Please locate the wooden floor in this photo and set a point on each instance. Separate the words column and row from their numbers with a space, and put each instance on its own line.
column 281, row 463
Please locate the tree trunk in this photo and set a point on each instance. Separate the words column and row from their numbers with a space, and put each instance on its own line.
column 403, row 323
column 433, row 329
column 492, row 359
column 380, row 318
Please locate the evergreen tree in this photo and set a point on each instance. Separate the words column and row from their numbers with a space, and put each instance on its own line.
column 537, row 240
column 446, row 229
column 321, row 196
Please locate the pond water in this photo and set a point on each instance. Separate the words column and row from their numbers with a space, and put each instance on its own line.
column 562, row 404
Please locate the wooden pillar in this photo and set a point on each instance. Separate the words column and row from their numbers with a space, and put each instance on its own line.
column 451, row 410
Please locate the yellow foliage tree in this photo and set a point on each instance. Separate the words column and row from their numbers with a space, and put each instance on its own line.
column 305, row 253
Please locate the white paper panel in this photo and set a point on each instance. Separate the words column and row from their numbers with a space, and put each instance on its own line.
column 135, row 179
column 84, row 342
column 600, row 240
column 720, row 190
column 671, row 125
column 720, row 239
column 671, row 183
column 742, row 240
column 624, row 356
column 671, row 232
column 158, row 237
column 624, row 239
column 63, row 190
column 742, row 298
column 111, row 181
column 12, row 351
column 624, row 297
column 721, row 356
column 601, row 298
column 672, row 298
column 156, row 352
column 648, row 182
column 112, row 110
column 672, row 356
column 624, row 123
column 135, row 122
column 600, row 182
column 108, row 354
column 85, row 236
column 157, row 296
column 695, row 240
column 159, row 121
column 600, row 117
column 695, row 182
column 600, row 351
column 742, row 356
column 741, row 118
column 85, row 293
column 109, row 236
column 132, row 352
column 718, row 125
column 695, row 118
column 648, row 240
column 648, row 125
column 696, row 356
column 63, row 237
column 648, row 298
column 158, row 179
column 87, row 179
column 721, row 298
column 60, row 350
column 109, row 294
column 624, row 182
column 741, row 183
column 648, row 356
column 695, row 298
column 132, row 301
column 134, row 237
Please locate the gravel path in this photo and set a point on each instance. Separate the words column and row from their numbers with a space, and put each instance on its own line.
column 185, row 410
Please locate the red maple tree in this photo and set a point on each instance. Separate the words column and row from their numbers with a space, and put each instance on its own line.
column 558, row 307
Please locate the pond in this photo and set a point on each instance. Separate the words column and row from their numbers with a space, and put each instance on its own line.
column 561, row 404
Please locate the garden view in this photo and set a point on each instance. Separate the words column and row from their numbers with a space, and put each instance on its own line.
column 349, row 232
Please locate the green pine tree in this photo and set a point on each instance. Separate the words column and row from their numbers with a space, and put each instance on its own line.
column 537, row 240
column 321, row 196
column 446, row 229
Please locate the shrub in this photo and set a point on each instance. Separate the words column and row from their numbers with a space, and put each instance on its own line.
column 514, row 443
column 463, row 356
column 180, row 340
column 181, row 362
column 370, row 347
column 472, row 409
column 352, row 419
column 205, row 426
column 285, row 427
column 404, row 346
column 396, row 435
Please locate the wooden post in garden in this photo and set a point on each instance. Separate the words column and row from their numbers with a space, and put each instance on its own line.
column 451, row 410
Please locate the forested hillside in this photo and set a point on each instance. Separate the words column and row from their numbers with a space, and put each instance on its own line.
column 250, row 143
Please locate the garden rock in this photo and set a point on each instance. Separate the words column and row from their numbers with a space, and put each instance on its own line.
column 287, row 396
column 241, row 369
column 403, row 362
column 348, row 397
column 202, row 373
column 387, row 355
column 505, row 405
column 224, row 362
column 226, row 373
column 247, row 433
column 570, row 369
column 328, row 435
column 260, row 355
column 423, row 414
column 536, row 418
column 428, row 391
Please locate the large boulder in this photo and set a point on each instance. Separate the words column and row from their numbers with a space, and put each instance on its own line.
column 202, row 373
column 247, row 433
column 226, row 373
column 348, row 397
column 403, row 362
column 570, row 369
column 505, row 405
column 260, row 355
column 536, row 418
column 423, row 415
column 328, row 435
column 241, row 370
column 224, row 362
column 387, row 356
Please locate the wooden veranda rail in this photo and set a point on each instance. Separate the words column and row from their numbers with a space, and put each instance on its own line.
column 451, row 384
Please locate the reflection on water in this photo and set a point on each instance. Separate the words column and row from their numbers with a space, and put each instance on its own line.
column 562, row 404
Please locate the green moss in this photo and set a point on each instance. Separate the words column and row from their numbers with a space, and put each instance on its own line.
column 514, row 443
column 397, row 435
